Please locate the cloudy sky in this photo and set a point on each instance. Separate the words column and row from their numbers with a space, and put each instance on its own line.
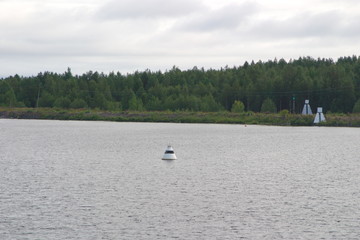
column 130, row 35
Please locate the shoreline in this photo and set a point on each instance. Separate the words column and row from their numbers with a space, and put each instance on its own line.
column 248, row 118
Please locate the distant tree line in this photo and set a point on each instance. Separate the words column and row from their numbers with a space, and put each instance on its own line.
column 273, row 86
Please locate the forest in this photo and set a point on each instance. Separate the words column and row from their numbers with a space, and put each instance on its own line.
column 270, row 86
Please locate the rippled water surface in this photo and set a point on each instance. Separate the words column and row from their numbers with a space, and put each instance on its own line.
column 104, row 180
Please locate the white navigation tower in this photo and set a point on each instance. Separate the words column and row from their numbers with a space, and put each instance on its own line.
column 307, row 109
column 319, row 116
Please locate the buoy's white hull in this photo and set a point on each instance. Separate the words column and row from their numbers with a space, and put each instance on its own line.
column 169, row 157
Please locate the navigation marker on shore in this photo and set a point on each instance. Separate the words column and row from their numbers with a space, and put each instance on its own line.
column 319, row 116
column 307, row 109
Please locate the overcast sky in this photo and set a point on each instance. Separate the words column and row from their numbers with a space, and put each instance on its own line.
column 130, row 35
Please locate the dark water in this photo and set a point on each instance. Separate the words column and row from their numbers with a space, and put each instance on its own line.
column 103, row 180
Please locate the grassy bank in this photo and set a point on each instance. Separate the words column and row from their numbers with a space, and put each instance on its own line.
column 346, row 120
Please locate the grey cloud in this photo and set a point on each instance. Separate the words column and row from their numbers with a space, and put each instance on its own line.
column 305, row 25
column 50, row 31
column 227, row 17
column 351, row 27
column 157, row 33
column 130, row 9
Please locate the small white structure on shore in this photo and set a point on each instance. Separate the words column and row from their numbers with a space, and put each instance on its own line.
column 319, row 116
column 307, row 109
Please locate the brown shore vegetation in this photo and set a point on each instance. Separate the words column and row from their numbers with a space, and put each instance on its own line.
column 224, row 117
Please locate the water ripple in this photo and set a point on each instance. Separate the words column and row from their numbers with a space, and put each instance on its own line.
column 100, row 180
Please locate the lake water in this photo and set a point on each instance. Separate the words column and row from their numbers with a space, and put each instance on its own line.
column 106, row 180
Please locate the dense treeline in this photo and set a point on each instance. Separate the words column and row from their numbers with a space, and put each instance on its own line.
column 335, row 86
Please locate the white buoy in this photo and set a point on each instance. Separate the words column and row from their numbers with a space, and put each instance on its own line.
column 307, row 109
column 319, row 116
column 169, row 154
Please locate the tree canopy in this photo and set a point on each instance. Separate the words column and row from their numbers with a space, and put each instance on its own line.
column 268, row 106
column 238, row 107
column 333, row 85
